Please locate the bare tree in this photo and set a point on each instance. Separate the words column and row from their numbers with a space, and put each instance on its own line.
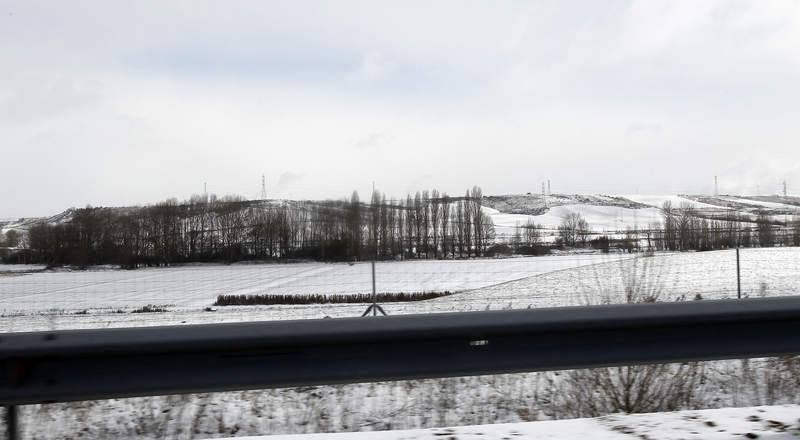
column 685, row 226
column 445, row 220
column 796, row 233
column 766, row 234
column 669, row 225
column 478, row 218
column 532, row 235
column 467, row 224
column 435, row 215
column 419, row 222
column 426, row 222
column 573, row 230
column 461, row 228
column 638, row 388
column 354, row 226
column 375, row 222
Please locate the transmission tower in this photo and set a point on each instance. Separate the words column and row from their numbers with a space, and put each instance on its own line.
column 263, row 187
column 784, row 188
column 544, row 195
column 716, row 186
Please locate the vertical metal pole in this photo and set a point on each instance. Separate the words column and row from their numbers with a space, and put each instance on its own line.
column 374, row 257
column 12, row 423
column 738, row 276
column 374, row 292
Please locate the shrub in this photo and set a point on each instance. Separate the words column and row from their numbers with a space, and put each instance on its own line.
column 361, row 298
column 150, row 308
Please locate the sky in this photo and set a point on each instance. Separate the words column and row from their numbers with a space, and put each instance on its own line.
column 110, row 103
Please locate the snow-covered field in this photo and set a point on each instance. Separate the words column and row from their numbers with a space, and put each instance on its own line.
column 766, row 422
column 534, row 282
column 198, row 286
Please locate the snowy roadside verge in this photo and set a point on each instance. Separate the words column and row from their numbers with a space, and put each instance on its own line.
column 762, row 422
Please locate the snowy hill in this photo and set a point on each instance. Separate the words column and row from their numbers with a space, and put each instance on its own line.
column 613, row 214
column 24, row 224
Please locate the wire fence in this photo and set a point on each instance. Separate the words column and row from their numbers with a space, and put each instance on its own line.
column 36, row 298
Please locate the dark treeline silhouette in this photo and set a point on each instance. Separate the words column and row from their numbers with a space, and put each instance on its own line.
column 228, row 229
column 427, row 225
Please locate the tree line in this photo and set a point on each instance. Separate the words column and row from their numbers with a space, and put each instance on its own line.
column 683, row 228
column 428, row 224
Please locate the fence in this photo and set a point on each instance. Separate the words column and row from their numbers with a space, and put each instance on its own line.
column 100, row 364
column 36, row 299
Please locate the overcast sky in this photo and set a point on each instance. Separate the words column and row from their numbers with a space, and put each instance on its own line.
column 120, row 102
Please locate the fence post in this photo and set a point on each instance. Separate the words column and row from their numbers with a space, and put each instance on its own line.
column 12, row 423
column 738, row 276
column 374, row 292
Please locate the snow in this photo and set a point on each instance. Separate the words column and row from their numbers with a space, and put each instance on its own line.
column 10, row 268
column 516, row 283
column 677, row 201
column 603, row 219
column 493, row 284
column 761, row 203
column 766, row 422
column 198, row 286
column 557, row 429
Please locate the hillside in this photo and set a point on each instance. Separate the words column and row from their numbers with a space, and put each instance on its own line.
column 605, row 213
column 615, row 213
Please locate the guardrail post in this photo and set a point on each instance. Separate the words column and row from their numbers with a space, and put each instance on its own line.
column 12, row 423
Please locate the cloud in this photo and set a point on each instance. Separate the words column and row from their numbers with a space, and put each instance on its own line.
column 168, row 95
column 287, row 179
column 641, row 129
column 374, row 141
column 371, row 68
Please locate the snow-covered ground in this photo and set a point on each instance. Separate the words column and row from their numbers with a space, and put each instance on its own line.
column 483, row 284
column 20, row 268
column 758, row 203
column 493, row 284
column 676, row 201
column 764, row 422
column 603, row 219
column 198, row 286
column 612, row 215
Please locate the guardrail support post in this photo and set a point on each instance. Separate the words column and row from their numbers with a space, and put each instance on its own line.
column 12, row 423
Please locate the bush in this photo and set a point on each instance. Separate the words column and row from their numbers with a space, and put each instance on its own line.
column 500, row 249
column 361, row 298
column 601, row 243
column 533, row 250
column 150, row 308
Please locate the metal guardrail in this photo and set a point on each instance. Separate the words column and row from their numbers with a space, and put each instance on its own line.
column 43, row 367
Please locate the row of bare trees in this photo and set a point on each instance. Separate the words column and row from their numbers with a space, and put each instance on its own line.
column 429, row 224
column 685, row 228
